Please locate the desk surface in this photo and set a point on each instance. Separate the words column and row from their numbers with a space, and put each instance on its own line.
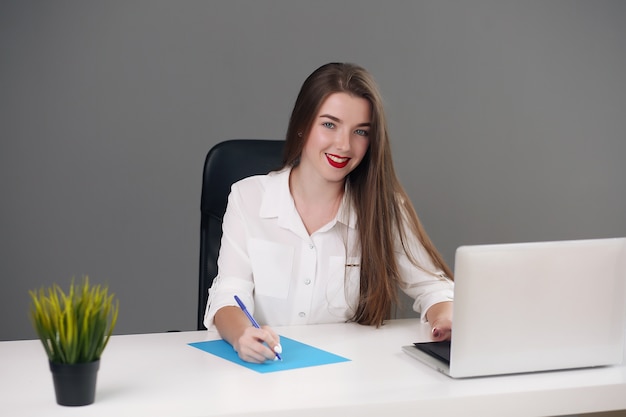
column 160, row 375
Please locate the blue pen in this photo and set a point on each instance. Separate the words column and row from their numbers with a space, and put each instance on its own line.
column 253, row 321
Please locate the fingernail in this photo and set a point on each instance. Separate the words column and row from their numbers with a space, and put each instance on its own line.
column 278, row 349
column 436, row 333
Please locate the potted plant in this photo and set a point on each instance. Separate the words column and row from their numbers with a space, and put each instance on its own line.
column 74, row 328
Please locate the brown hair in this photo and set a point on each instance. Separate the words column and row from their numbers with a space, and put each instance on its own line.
column 381, row 204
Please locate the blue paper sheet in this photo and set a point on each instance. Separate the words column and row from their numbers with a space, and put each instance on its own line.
column 295, row 355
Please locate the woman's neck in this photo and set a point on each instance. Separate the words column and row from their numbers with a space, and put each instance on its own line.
column 316, row 200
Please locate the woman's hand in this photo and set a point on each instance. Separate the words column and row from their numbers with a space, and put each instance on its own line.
column 253, row 344
column 440, row 318
column 250, row 343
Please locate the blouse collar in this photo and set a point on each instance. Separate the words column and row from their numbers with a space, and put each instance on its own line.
column 278, row 202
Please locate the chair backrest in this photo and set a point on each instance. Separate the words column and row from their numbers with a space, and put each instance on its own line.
column 226, row 163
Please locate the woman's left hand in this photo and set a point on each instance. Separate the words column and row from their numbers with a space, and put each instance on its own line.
column 440, row 318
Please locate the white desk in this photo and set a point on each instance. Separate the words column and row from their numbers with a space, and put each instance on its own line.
column 159, row 375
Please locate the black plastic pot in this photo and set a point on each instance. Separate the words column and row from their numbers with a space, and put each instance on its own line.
column 75, row 384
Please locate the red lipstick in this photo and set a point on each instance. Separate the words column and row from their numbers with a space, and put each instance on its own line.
column 335, row 163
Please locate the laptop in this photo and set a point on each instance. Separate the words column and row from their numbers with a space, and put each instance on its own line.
column 531, row 307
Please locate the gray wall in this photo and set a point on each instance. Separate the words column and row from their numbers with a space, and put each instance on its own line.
column 507, row 120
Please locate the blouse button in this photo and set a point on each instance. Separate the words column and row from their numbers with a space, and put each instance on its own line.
column 311, row 246
column 302, row 314
column 307, row 281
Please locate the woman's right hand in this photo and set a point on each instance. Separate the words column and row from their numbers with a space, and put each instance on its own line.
column 253, row 345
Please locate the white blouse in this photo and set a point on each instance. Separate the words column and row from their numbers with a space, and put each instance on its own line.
column 286, row 276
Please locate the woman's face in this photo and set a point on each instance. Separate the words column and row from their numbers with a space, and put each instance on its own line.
column 338, row 139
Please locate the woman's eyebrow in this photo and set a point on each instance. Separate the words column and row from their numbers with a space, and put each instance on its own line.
column 331, row 117
column 338, row 120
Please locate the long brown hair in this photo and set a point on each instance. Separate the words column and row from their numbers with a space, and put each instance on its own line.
column 381, row 203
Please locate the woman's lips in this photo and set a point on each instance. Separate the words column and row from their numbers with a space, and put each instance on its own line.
column 337, row 161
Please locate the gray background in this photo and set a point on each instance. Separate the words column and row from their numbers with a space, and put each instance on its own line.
column 507, row 122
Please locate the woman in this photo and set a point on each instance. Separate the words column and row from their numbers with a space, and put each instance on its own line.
column 332, row 235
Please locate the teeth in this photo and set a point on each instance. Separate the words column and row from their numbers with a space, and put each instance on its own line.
column 337, row 159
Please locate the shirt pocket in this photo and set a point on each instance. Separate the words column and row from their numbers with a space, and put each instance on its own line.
column 342, row 291
column 272, row 265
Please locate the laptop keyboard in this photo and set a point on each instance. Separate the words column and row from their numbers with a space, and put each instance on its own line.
column 439, row 350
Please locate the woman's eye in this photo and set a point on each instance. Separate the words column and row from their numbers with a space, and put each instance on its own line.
column 329, row 125
column 362, row 132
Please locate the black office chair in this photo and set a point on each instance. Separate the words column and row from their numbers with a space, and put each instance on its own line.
column 226, row 163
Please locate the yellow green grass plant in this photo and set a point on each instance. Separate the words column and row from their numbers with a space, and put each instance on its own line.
column 74, row 327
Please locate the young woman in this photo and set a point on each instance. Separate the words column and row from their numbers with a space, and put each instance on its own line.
column 332, row 236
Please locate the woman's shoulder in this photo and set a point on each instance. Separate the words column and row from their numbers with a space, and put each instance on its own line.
column 259, row 183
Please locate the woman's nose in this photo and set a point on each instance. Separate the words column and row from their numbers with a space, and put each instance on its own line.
column 342, row 141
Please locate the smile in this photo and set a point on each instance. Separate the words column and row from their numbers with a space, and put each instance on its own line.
column 337, row 161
